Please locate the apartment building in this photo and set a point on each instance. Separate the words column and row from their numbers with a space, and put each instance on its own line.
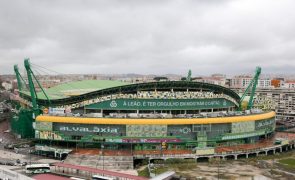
column 284, row 102
column 244, row 81
column 288, row 84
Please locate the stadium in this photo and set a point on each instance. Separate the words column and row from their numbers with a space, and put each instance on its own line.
column 153, row 117
column 170, row 115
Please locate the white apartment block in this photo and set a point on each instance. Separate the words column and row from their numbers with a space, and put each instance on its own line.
column 264, row 83
column 288, row 84
column 7, row 85
column 212, row 80
column 244, row 81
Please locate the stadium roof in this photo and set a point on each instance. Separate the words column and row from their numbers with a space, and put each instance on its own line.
column 77, row 88
column 66, row 98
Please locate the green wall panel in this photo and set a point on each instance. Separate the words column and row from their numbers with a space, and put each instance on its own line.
column 161, row 104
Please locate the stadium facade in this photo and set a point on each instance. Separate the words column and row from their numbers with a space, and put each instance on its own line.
column 144, row 116
column 154, row 115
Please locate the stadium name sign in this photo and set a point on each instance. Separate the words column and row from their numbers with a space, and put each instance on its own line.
column 152, row 104
column 89, row 129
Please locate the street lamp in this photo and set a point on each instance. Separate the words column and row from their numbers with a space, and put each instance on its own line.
column 102, row 147
column 218, row 168
column 60, row 154
column 131, row 147
column 76, row 143
column 30, row 156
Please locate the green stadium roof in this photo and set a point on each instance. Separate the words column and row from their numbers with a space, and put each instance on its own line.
column 75, row 93
column 77, row 88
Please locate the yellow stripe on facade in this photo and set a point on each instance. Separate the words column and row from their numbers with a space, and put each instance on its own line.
column 123, row 121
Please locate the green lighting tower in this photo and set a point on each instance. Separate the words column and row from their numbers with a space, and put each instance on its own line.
column 33, row 92
column 189, row 76
column 31, row 86
column 19, row 78
column 252, row 84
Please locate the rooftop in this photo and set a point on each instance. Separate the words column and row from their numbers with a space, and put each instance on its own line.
column 77, row 88
column 68, row 93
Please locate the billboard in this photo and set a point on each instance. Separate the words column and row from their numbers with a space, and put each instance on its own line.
column 43, row 126
column 205, row 151
column 181, row 130
column 48, row 135
column 146, row 130
column 56, row 110
column 161, row 104
column 241, row 127
column 265, row 124
column 201, row 127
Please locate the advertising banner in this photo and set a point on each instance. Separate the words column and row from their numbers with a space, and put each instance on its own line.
column 146, row 130
column 241, row 127
column 205, row 151
column 161, row 104
column 265, row 124
column 181, row 130
column 47, row 135
column 151, row 140
column 56, row 110
column 43, row 126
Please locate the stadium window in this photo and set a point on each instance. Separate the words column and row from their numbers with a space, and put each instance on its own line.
column 76, row 137
column 197, row 128
column 207, row 127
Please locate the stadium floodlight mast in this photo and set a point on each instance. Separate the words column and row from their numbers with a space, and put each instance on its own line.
column 19, row 78
column 252, row 85
column 31, row 76
column 189, row 75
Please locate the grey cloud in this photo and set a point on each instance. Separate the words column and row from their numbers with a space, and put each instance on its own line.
column 150, row 37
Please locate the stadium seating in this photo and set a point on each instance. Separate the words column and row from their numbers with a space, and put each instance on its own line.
column 166, row 95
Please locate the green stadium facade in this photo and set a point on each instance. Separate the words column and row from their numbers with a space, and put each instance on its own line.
column 145, row 116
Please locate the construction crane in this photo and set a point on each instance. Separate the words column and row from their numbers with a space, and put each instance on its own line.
column 252, row 85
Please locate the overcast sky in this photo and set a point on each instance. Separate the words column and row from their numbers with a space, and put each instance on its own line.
column 149, row 36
